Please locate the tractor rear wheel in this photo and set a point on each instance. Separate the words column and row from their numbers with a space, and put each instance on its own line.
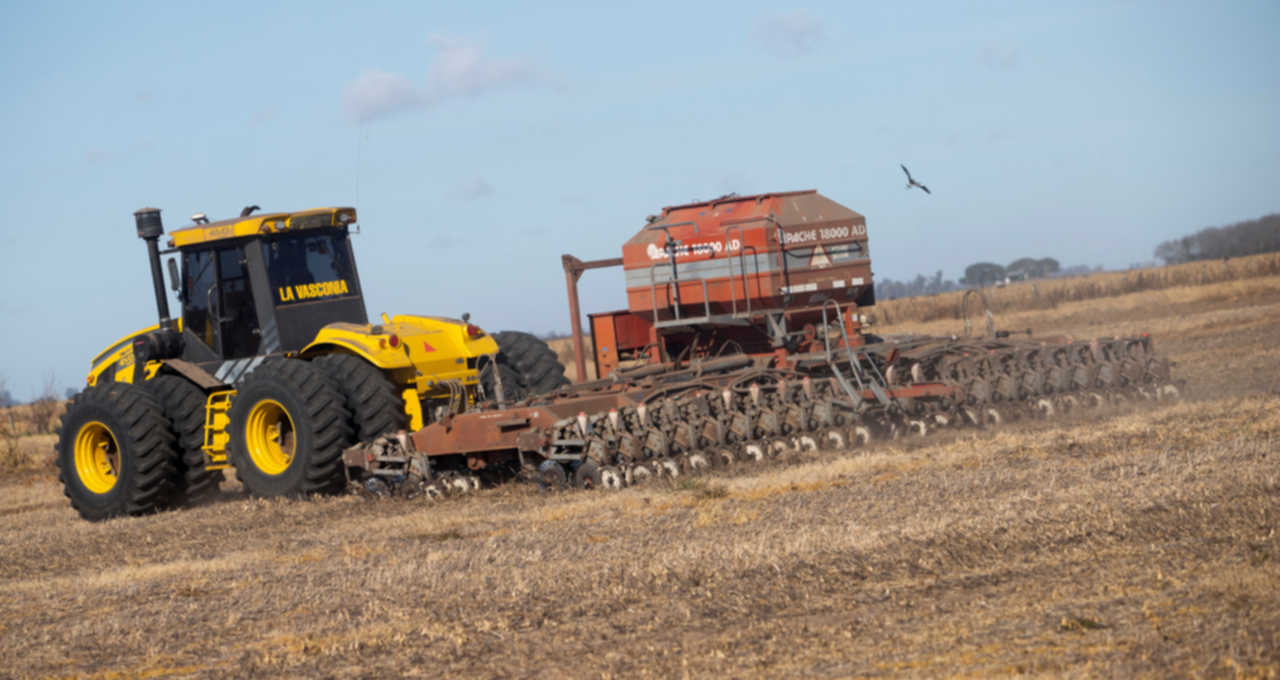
column 539, row 367
column 183, row 403
column 115, row 453
column 288, row 429
column 368, row 394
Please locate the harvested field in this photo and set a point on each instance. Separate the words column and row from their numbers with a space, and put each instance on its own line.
column 1051, row 293
column 1140, row 542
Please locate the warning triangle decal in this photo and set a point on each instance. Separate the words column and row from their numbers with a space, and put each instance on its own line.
column 819, row 258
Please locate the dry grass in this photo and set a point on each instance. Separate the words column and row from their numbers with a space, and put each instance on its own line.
column 1140, row 543
column 27, row 453
column 563, row 348
column 1052, row 293
column 35, row 418
column 24, row 442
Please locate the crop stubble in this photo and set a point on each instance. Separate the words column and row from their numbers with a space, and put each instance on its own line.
column 1141, row 542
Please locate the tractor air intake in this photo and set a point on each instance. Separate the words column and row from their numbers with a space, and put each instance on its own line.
column 149, row 229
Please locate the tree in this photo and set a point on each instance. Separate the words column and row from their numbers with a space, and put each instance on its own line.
column 10, row 450
column 46, row 405
column 1242, row 238
column 1023, row 268
column 919, row 285
column 1048, row 266
column 982, row 274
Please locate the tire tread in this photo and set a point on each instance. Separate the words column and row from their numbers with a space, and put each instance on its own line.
column 144, row 436
column 368, row 394
column 539, row 367
column 324, row 409
column 184, row 405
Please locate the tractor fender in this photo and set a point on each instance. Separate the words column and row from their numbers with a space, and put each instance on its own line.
column 362, row 341
column 452, row 333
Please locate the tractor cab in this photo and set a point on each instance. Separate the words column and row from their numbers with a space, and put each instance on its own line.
column 264, row 284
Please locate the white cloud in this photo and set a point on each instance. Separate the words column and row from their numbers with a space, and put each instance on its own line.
column 461, row 68
column 790, row 34
column 379, row 93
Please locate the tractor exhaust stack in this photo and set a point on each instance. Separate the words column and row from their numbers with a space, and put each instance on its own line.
column 149, row 229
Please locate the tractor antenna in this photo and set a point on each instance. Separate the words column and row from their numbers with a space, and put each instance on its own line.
column 360, row 134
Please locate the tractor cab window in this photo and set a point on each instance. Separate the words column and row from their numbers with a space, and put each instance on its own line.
column 217, row 304
column 307, row 267
column 197, row 293
column 236, row 314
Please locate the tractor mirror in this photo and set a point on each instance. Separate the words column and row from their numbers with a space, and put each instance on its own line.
column 173, row 273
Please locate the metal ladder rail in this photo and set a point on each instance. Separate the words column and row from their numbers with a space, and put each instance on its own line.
column 669, row 246
column 671, row 289
column 742, row 266
column 874, row 382
column 835, row 368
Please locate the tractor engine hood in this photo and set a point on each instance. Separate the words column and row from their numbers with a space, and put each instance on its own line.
column 420, row 346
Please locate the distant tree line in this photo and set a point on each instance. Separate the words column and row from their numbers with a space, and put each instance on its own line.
column 888, row 289
column 1212, row 243
column 975, row 275
column 1021, row 269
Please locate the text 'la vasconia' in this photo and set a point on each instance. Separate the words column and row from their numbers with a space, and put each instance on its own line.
column 309, row 291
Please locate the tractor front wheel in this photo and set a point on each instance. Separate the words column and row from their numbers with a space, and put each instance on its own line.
column 288, row 428
column 115, row 452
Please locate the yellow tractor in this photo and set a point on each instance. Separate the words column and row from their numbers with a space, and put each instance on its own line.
column 272, row 368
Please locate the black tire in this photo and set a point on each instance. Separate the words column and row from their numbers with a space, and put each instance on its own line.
column 513, row 388
column 307, row 408
column 183, row 404
column 539, row 367
column 552, row 476
column 375, row 406
column 587, row 476
column 133, row 471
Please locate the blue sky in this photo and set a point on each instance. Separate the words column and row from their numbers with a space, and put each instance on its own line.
column 479, row 141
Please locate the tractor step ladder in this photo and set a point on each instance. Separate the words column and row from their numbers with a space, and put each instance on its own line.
column 869, row 378
column 215, row 429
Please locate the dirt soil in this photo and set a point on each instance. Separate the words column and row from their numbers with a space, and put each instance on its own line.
column 1139, row 542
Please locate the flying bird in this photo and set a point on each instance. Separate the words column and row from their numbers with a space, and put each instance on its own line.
column 911, row 182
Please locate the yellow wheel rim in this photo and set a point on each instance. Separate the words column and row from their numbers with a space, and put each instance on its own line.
column 270, row 438
column 97, row 457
